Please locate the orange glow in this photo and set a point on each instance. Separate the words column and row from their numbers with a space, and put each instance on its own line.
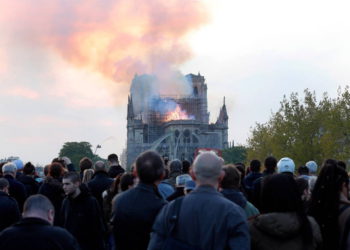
column 177, row 114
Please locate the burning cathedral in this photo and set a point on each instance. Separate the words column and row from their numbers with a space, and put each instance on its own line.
column 176, row 125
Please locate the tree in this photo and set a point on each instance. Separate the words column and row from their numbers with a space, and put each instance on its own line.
column 305, row 129
column 235, row 154
column 76, row 151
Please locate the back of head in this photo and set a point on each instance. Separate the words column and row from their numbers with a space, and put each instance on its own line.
column 37, row 205
column 3, row 183
column 56, row 170
column 28, row 169
column 312, row 166
column 126, row 181
column 232, row 178
column 113, row 158
column 241, row 168
column 270, row 164
column 85, row 163
column 286, row 165
column 303, row 170
column 149, row 167
column 100, row 166
column 342, row 164
column 175, row 166
column 87, row 175
column 255, row 166
column 186, row 165
column 207, row 167
column 9, row 168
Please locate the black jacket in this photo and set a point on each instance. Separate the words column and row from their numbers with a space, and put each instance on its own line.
column 82, row 217
column 9, row 211
column 115, row 170
column 134, row 213
column 31, row 185
column 36, row 234
column 17, row 191
column 52, row 189
column 99, row 183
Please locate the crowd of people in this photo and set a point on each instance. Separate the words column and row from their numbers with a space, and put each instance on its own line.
column 162, row 204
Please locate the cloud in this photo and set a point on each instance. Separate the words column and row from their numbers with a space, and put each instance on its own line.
column 24, row 92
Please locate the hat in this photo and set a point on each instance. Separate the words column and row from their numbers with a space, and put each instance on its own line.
column 286, row 165
column 312, row 166
column 18, row 163
column 190, row 185
column 9, row 168
column 181, row 180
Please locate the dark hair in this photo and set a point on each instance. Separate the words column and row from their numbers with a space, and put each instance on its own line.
column 47, row 169
column 59, row 160
column 3, row 183
column 232, row 178
column 270, row 164
column 175, row 166
column 72, row 176
column 126, row 180
column 37, row 202
column 255, row 166
column 303, row 170
column 342, row 164
column 325, row 200
column 113, row 158
column 149, row 167
column 56, row 170
column 302, row 184
column 85, row 163
column 280, row 194
column 186, row 166
column 28, row 168
column 241, row 168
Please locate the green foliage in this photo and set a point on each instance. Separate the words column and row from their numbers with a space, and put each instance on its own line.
column 235, row 154
column 77, row 150
column 305, row 129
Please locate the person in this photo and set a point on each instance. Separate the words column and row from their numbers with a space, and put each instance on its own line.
column 35, row 230
column 114, row 167
column 100, row 181
column 206, row 219
column 230, row 189
column 189, row 186
column 9, row 211
column 84, row 163
column 68, row 164
column 312, row 166
column 135, row 210
column 175, row 170
column 87, row 175
column 303, row 172
column 165, row 188
column 180, row 187
column 17, row 190
column 254, row 174
column 81, row 214
column 283, row 223
column 330, row 205
column 286, row 166
column 52, row 188
column 27, row 178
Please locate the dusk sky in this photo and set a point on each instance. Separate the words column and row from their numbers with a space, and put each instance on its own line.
column 66, row 66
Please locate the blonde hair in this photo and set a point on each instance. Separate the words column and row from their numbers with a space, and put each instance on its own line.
column 87, row 175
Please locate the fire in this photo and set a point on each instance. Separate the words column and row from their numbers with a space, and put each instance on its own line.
column 177, row 114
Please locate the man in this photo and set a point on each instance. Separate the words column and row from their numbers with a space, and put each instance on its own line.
column 9, row 211
column 286, row 166
column 206, row 220
column 100, row 181
column 28, row 179
column 114, row 168
column 136, row 209
column 35, row 230
column 17, row 189
column 81, row 214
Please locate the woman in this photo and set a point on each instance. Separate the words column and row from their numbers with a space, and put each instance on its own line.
column 283, row 223
column 87, row 175
column 330, row 205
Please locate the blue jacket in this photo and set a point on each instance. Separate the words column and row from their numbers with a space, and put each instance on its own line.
column 207, row 220
column 248, row 181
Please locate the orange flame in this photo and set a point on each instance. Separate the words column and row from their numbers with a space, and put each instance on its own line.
column 177, row 114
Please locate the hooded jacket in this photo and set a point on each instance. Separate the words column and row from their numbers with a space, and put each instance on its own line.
column 275, row 231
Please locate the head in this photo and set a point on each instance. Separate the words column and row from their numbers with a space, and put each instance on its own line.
column 175, row 166
column 87, row 175
column 4, row 185
column 85, row 163
column 71, row 183
column 207, row 169
column 9, row 169
column 255, row 166
column 303, row 170
column 270, row 164
column 61, row 161
column 232, row 178
column 241, row 168
column 286, row 165
column 303, row 186
column 186, row 167
column 19, row 164
column 29, row 169
column 312, row 166
column 113, row 159
column 56, row 170
column 100, row 166
column 342, row 164
column 47, row 169
column 38, row 206
column 127, row 181
column 149, row 167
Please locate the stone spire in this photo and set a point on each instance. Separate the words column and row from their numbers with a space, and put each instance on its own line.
column 130, row 108
column 223, row 117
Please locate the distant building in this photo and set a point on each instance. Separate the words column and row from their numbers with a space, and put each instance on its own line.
column 178, row 127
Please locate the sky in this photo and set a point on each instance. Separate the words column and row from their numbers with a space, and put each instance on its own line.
column 66, row 66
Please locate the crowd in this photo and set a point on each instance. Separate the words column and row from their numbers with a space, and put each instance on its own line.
column 165, row 204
